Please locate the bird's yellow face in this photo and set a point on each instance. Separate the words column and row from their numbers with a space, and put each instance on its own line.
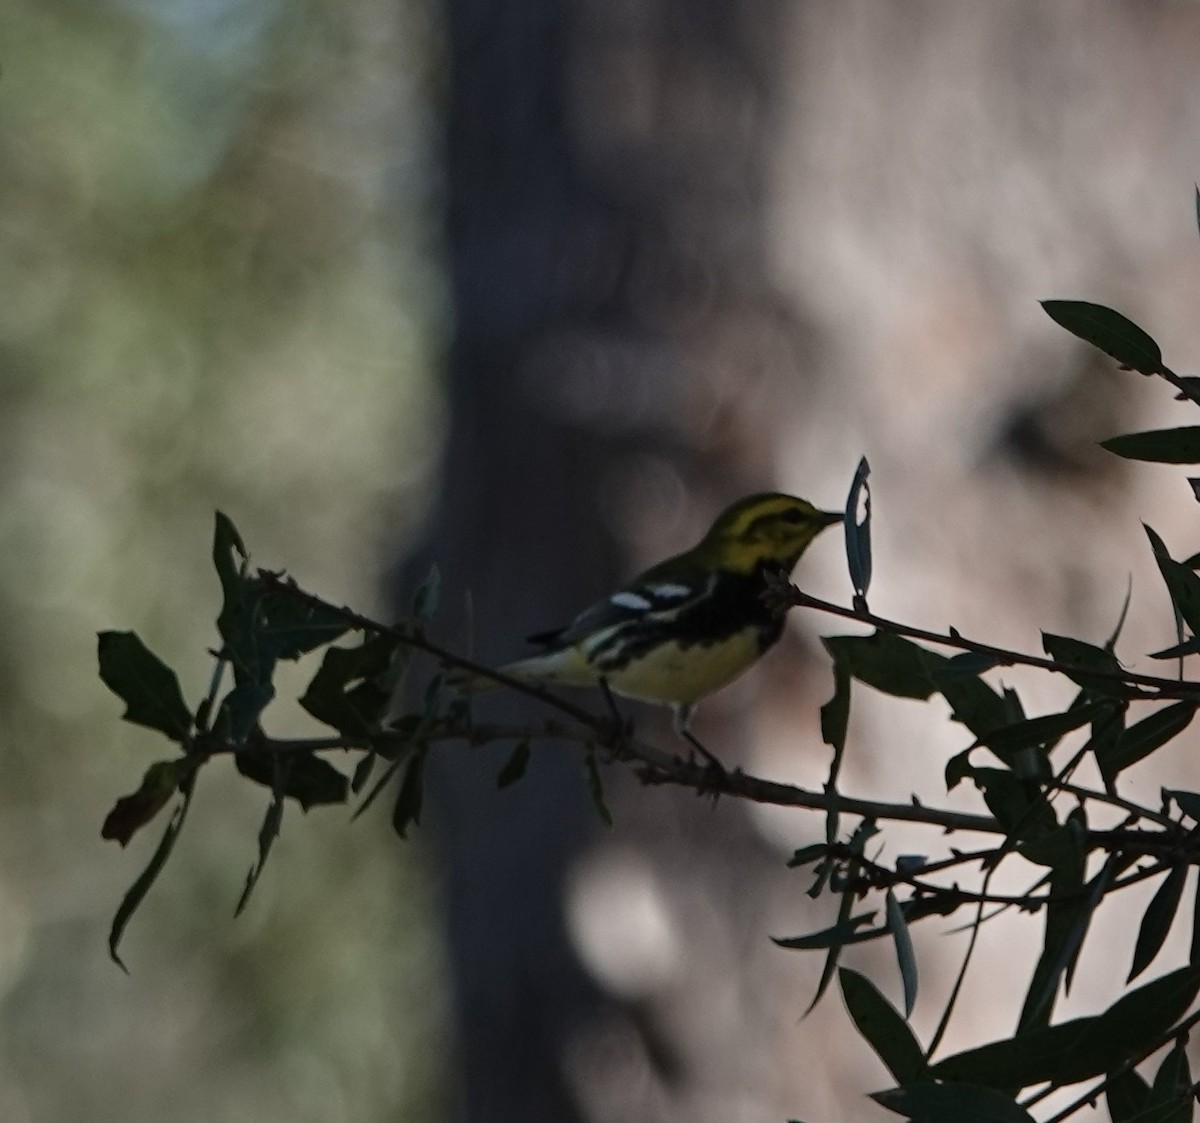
column 771, row 527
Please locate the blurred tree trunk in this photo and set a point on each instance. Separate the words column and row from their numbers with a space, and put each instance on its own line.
column 614, row 342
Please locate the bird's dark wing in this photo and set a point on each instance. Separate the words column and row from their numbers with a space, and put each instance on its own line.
column 645, row 598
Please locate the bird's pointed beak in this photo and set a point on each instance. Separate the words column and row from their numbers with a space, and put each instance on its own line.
column 831, row 518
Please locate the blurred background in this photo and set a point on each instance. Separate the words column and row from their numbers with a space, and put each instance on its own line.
column 535, row 289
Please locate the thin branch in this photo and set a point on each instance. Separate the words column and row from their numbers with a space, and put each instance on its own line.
column 1155, row 688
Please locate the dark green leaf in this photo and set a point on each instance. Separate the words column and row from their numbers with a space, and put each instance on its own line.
column 515, row 767
column 887, row 662
column 1093, row 665
column 1159, row 446
column 1082, row 1048
column 1020, row 808
column 808, row 854
column 1068, row 913
column 146, row 685
column 426, row 598
column 1077, row 653
column 304, row 777
column 596, row 788
column 843, row 932
column 835, row 719
column 1157, row 920
column 1171, row 1094
column 1126, row 1096
column 1148, row 735
column 1114, row 866
column 267, row 833
column 833, row 949
column 362, row 772
column 229, row 554
column 240, row 709
column 974, row 704
column 1188, row 802
column 858, row 534
column 352, row 690
column 1045, row 730
column 1178, row 650
column 906, row 960
column 1111, row 643
column 132, row 812
column 289, row 626
column 383, row 781
column 967, row 664
column 926, row 1102
column 412, row 792
column 882, row 1027
column 1111, row 332
column 1194, row 950
column 958, row 768
column 1183, row 585
column 137, row 892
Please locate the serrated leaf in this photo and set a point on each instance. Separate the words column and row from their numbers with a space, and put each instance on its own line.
column 1147, row 736
column 352, row 690
column 1111, row 332
column 515, row 766
column 1158, row 446
column 146, row 685
column 882, row 1027
column 1157, row 920
column 858, row 534
column 926, row 1102
column 1077, row 1050
column 906, row 959
column 138, row 890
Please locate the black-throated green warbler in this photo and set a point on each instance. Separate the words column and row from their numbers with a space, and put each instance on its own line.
column 690, row 624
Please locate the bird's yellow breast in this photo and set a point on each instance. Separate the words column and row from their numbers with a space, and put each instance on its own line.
column 683, row 675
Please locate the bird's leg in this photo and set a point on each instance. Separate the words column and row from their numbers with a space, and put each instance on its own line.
column 682, row 715
column 623, row 726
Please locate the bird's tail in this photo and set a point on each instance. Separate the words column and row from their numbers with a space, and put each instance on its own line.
column 564, row 665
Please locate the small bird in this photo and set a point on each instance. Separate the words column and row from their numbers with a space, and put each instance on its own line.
column 689, row 625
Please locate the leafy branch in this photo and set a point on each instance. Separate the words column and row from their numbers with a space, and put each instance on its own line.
column 1037, row 809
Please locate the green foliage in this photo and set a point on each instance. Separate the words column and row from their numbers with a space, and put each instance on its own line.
column 1022, row 765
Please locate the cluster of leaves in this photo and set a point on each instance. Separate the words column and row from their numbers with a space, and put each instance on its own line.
column 1038, row 814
